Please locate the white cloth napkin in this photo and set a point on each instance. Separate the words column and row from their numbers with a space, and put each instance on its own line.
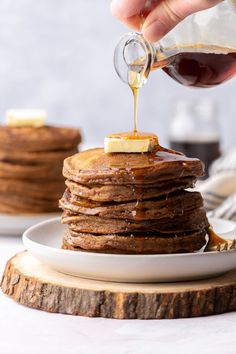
column 219, row 190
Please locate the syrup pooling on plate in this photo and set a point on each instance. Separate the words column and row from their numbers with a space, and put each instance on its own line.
column 217, row 243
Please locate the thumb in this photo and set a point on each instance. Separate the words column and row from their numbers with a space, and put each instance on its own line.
column 168, row 13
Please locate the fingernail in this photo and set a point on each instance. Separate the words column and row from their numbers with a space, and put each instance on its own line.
column 154, row 31
column 114, row 6
column 123, row 9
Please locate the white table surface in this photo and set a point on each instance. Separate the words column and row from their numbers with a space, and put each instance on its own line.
column 28, row 331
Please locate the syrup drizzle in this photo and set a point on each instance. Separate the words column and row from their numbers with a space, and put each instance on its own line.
column 135, row 91
column 135, row 82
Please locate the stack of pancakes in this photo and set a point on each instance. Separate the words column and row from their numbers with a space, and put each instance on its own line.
column 133, row 203
column 31, row 161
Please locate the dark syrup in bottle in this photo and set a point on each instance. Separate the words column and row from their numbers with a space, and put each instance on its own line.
column 201, row 66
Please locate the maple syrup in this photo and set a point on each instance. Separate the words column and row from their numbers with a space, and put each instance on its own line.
column 201, row 66
column 215, row 241
column 135, row 136
column 135, row 91
column 194, row 65
column 135, row 80
column 197, row 66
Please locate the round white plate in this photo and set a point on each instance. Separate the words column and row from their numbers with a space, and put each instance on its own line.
column 11, row 224
column 44, row 240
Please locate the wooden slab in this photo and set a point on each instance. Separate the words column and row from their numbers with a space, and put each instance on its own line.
column 35, row 285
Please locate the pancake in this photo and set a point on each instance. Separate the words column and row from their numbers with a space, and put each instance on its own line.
column 28, row 171
column 19, row 204
column 175, row 204
column 96, row 167
column 191, row 221
column 50, row 190
column 36, row 157
column 29, row 210
column 133, row 203
column 135, row 244
column 122, row 193
column 31, row 162
column 46, row 138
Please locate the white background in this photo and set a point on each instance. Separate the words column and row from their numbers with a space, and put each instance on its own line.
column 58, row 54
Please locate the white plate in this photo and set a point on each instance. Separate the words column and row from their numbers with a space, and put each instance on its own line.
column 11, row 224
column 44, row 241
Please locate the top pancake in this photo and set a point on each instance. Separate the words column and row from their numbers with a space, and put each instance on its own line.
column 46, row 138
column 94, row 166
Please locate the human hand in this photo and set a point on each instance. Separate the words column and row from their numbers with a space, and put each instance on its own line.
column 154, row 18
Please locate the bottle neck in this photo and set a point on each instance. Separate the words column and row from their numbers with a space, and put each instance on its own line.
column 133, row 58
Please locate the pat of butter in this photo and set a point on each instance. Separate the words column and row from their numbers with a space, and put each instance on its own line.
column 25, row 118
column 128, row 145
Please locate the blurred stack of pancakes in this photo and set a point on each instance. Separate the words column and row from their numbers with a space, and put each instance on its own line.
column 31, row 162
column 133, row 203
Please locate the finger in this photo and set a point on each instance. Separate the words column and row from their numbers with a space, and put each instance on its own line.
column 125, row 9
column 168, row 13
column 134, row 22
column 133, row 12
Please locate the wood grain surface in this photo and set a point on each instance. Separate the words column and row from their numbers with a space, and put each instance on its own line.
column 35, row 285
